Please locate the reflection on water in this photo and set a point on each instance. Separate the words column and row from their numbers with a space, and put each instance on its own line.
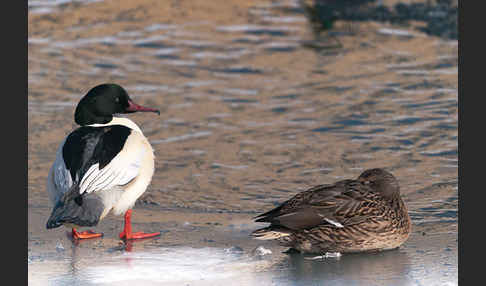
column 412, row 265
column 167, row 266
column 259, row 100
column 386, row 268
column 440, row 17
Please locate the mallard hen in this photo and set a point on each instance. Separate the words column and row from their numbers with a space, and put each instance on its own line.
column 362, row 215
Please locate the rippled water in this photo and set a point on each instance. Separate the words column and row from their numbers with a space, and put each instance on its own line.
column 256, row 105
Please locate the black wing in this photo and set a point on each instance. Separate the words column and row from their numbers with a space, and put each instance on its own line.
column 89, row 145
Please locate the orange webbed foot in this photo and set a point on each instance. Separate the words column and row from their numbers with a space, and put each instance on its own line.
column 127, row 233
column 85, row 234
column 138, row 235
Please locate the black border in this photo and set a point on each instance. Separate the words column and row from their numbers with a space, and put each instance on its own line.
column 14, row 155
column 471, row 175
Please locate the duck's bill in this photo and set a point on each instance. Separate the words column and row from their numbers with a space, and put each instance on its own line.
column 133, row 107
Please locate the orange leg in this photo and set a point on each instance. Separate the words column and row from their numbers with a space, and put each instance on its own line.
column 85, row 234
column 127, row 230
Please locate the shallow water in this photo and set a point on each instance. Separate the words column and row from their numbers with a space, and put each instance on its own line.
column 258, row 102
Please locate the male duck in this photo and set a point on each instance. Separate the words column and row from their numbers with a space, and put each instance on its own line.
column 362, row 215
column 104, row 165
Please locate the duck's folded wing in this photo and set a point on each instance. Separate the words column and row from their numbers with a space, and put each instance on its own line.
column 346, row 208
column 100, row 158
column 301, row 218
column 337, row 206
column 120, row 171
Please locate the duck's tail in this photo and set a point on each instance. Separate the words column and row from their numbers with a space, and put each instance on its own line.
column 81, row 210
column 271, row 232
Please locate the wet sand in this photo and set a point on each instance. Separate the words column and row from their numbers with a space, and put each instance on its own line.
column 255, row 107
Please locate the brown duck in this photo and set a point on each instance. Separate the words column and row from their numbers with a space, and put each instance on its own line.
column 362, row 215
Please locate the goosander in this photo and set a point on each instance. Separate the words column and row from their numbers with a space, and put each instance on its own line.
column 104, row 165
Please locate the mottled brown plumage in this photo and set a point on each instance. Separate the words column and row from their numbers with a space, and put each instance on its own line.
column 366, row 214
